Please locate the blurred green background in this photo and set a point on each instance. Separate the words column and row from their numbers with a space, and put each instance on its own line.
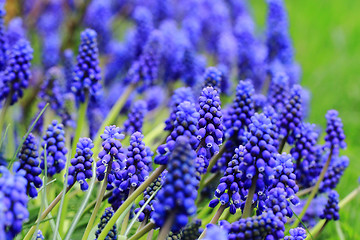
column 326, row 36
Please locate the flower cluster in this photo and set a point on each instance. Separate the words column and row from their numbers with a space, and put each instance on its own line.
column 3, row 42
column 335, row 137
column 81, row 164
column 178, row 193
column 296, row 234
column 210, row 124
column 180, row 95
column 111, row 157
column 277, row 202
column 137, row 164
column 228, row 191
column 29, row 161
column 87, row 76
column 213, row 78
column 112, row 235
column 331, row 210
column 279, row 91
column 334, row 173
column 17, row 72
column 136, row 116
column 14, row 198
column 184, row 125
column 54, row 146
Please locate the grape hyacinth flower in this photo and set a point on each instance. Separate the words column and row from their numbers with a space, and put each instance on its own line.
column 185, row 125
column 191, row 230
column 17, row 72
column 51, row 91
column 180, row 95
column 228, row 191
column 155, row 97
column 258, row 227
column 39, row 236
column 15, row 200
column 277, row 202
column 242, row 109
column 210, row 123
column 296, row 234
column 215, row 232
column 212, row 78
column 3, row 40
column 334, row 173
column 112, row 235
column 144, row 71
column 111, row 158
column 227, row 49
column 279, row 91
column 259, row 102
column 54, row 141
column 81, row 164
column 15, row 30
column 136, row 116
column 331, row 210
column 29, row 162
column 149, row 191
column 137, row 163
column 87, row 76
column 68, row 62
column 144, row 26
column 289, row 123
column 335, row 137
column 177, row 196
column 285, row 177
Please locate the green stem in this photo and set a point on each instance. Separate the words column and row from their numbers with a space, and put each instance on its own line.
column 130, row 199
column 149, row 137
column 3, row 112
column 81, row 118
column 304, row 191
column 249, row 199
column 148, row 227
column 98, row 203
column 215, row 219
column 92, row 204
column 315, row 189
column 126, row 219
column 46, row 212
column 165, row 229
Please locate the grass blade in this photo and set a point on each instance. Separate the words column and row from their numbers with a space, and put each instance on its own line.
column 307, row 230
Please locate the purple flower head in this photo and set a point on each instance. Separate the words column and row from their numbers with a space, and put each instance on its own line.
column 277, row 202
column 210, row 124
column 17, row 73
column 265, row 225
column 51, row 91
column 192, row 67
column 68, row 62
column 120, row 58
column 155, row 97
column 144, row 71
column 81, row 164
column 334, row 173
column 279, row 91
column 39, row 235
column 29, row 161
column 227, row 49
column 87, row 76
column 99, row 17
column 191, row 231
column 178, row 194
column 296, row 234
column 331, row 210
column 3, row 40
column 335, row 137
column 251, row 53
column 180, row 95
column 144, row 26
column 15, row 31
column 215, row 232
column 291, row 117
column 149, row 191
column 259, row 101
column 213, row 78
column 51, row 17
column 137, row 165
column 228, row 191
column 192, row 27
column 285, row 177
column 163, row 9
column 278, row 39
column 112, row 156
column 54, row 140
column 51, row 49
column 226, row 82
column 112, row 235
column 15, row 200
column 239, row 115
column 185, row 125
column 136, row 116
